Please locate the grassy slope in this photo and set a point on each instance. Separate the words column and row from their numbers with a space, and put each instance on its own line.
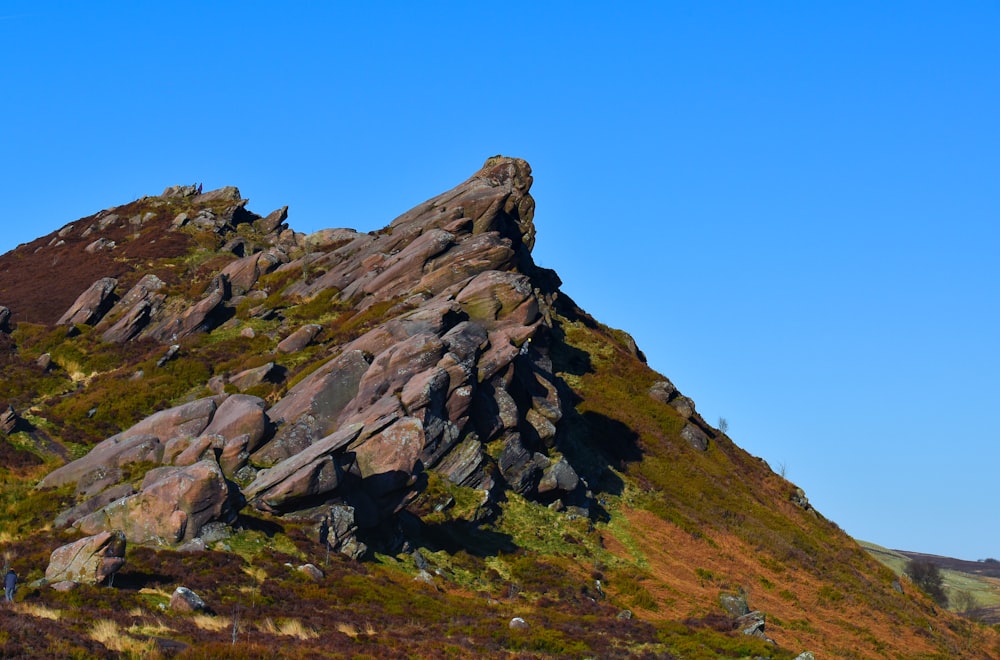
column 968, row 592
column 699, row 523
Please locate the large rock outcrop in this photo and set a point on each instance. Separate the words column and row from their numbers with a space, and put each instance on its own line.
column 454, row 376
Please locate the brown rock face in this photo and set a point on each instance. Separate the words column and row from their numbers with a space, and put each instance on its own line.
column 92, row 303
column 90, row 560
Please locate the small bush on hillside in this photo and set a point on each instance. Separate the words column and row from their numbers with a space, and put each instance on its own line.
column 927, row 576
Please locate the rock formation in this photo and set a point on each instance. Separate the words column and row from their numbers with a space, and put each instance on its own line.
column 452, row 375
column 90, row 560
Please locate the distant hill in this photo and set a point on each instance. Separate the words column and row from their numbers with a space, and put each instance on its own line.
column 972, row 587
column 225, row 438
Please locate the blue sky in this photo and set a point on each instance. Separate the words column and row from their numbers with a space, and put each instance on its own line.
column 793, row 207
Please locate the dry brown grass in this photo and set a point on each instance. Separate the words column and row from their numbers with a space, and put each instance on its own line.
column 111, row 635
column 38, row 611
column 209, row 622
column 287, row 628
column 787, row 594
column 352, row 631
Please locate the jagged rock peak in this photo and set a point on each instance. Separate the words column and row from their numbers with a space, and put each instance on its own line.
column 496, row 198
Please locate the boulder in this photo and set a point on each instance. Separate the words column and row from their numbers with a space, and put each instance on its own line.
column 308, row 473
column 189, row 419
column 248, row 378
column 662, row 391
column 224, row 194
column 338, row 531
column 244, row 273
column 92, row 304
column 735, row 605
column 130, row 324
column 388, row 459
column 4, row 319
column 143, row 441
column 171, row 506
column 203, row 316
column 186, row 601
column 9, row 420
column 240, row 415
column 273, row 220
column 683, row 405
column 299, row 339
column 559, row 477
column 87, row 507
column 89, row 560
column 517, row 623
column 116, row 451
column 311, row 571
column 695, row 437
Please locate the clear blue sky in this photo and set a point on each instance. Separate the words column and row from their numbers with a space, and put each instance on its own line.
column 792, row 206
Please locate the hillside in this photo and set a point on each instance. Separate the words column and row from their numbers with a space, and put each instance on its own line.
column 400, row 443
column 972, row 587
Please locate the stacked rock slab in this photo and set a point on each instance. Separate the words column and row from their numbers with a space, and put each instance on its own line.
column 456, row 377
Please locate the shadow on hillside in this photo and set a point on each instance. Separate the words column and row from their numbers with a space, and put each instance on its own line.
column 130, row 580
column 614, row 439
column 596, row 445
column 254, row 524
column 458, row 535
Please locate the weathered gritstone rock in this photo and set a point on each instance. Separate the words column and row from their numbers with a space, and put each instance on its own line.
column 186, row 601
column 299, row 339
column 203, row 316
column 310, row 472
column 90, row 560
column 171, row 506
column 92, row 303
column 457, row 359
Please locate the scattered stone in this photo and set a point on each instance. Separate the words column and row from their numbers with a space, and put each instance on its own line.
column 683, row 405
column 186, row 601
column 735, row 605
column 799, row 499
column 244, row 380
column 662, row 391
column 517, row 623
column 169, row 355
column 311, row 571
column 299, row 339
column 695, row 437
column 100, row 244
column 9, row 420
column 338, row 531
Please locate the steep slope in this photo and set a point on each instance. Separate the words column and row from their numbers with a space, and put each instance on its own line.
column 205, row 381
